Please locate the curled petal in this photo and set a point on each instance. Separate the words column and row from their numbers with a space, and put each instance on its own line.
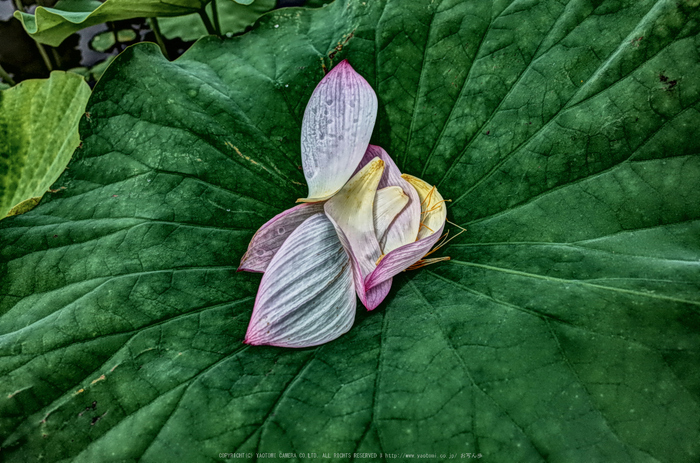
column 306, row 296
column 337, row 125
column 400, row 259
column 352, row 211
column 269, row 238
column 433, row 215
column 404, row 228
column 372, row 298
column 388, row 203
column 376, row 295
column 433, row 210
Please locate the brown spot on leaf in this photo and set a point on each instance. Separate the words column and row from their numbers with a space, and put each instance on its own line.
column 340, row 46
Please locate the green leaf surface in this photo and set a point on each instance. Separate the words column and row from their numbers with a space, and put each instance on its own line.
column 38, row 133
column 566, row 328
column 103, row 41
column 52, row 25
column 233, row 17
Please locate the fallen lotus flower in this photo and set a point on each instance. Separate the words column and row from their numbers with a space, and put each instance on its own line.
column 362, row 223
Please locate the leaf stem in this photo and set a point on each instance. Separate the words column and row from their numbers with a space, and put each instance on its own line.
column 42, row 51
column 215, row 17
column 44, row 55
column 207, row 22
column 6, row 77
column 153, row 22
column 56, row 56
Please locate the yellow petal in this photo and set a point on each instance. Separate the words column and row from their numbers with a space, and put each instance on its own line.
column 433, row 210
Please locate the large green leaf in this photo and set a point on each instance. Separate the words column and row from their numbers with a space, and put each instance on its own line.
column 38, row 133
column 53, row 25
column 566, row 328
column 234, row 18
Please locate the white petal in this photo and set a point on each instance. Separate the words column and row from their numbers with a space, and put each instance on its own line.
column 352, row 210
column 404, row 229
column 269, row 238
column 306, row 296
column 388, row 202
column 337, row 125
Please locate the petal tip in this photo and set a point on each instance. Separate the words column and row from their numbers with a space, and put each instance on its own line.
column 376, row 164
column 344, row 66
column 249, row 270
column 317, row 199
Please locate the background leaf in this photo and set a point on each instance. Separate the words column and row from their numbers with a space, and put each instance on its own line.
column 53, row 25
column 566, row 327
column 38, row 133
column 233, row 17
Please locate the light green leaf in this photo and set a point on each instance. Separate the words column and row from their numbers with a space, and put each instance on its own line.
column 25, row 206
column 126, row 35
column 234, row 18
column 566, row 328
column 53, row 25
column 103, row 41
column 38, row 133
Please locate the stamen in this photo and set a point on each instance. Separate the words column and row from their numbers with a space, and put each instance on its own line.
column 436, row 206
column 424, row 262
column 428, row 196
column 440, row 244
column 443, row 241
column 424, row 225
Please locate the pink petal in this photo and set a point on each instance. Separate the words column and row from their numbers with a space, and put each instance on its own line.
column 433, row 216
column 306, row 296
column 400, row 259
column 376, row 295
column 352, row 211
column 269, row 238
column 337, row 125
column 404, row 228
